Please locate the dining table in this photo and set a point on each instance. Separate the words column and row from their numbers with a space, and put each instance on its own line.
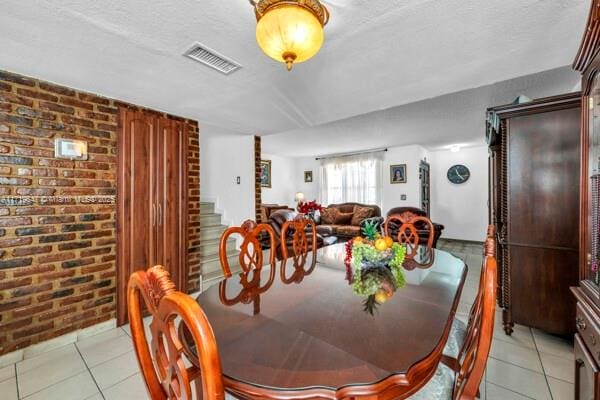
column 315, row 338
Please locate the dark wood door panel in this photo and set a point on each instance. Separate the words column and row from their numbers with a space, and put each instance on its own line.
column 540, row 288
column 136, row 235
column 172, row 198
column 544, row 152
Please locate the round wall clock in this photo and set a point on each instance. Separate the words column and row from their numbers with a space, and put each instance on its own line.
column 458, row 174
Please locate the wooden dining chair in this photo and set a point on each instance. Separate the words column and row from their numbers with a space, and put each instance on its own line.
column 303, row 233
column 408, row 233
column 162, row 362
column 462, row 383
column 458, row 332
column 251, row 260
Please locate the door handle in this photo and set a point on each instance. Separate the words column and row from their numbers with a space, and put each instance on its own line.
column 160, row 215
column 578, row 365
column 153, row 214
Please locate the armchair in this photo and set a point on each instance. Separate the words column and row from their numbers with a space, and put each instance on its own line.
column 422, row 228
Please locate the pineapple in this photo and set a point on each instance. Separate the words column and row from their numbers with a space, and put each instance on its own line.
column 370, row 230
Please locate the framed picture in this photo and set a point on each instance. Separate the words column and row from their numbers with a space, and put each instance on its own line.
column 398, row 173
column 308, row 176
column 265, row 173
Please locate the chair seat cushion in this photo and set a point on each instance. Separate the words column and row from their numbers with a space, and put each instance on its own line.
column 457, row 336
column 439, row 387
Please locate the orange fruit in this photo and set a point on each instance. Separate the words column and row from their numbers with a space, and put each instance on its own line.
column 388, row 241
column 358, row 239
column 380, row 244
column 381, row 297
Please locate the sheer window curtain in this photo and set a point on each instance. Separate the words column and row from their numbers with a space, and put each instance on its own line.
column 356, row 178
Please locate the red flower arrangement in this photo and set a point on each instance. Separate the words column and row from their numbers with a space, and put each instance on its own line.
column 309, row 207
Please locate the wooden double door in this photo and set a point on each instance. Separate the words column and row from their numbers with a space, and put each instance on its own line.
column 152, row 199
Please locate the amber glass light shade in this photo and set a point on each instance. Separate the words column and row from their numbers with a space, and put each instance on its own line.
column 289, row 33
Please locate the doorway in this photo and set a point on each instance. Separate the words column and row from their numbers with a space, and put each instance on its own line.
column 425, row 186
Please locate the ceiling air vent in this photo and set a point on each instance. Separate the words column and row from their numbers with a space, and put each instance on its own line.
column 207, row 56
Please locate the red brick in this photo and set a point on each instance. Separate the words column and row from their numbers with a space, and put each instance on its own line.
column 20, row 221
column 33, row 330
column 27, row 251
column 57, row 89
column 76, row 103
column 13, row 242
column 40, row 270
column 36, row 95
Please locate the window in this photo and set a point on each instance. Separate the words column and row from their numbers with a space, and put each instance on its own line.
column 351, row 179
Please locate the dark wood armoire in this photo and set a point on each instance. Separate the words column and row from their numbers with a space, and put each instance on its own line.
column 587, row 293
column 151, row 199
column 534, row 203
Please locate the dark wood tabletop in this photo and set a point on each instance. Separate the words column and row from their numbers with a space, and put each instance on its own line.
column 314, row 340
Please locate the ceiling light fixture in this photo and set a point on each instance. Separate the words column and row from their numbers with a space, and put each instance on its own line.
column 290, row 31
column 455, row 148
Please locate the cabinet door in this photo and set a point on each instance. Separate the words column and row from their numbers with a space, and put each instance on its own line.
column 136, row 211
column 171, row 167
column 586, row 373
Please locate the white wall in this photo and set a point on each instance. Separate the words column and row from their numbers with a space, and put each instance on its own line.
column 223, row 157
column 463, row 208
column 310, row 189
column 283, row 180
column 391, row 196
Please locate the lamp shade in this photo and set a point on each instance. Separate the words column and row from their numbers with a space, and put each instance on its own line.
column 290, row 31
column 299, row 197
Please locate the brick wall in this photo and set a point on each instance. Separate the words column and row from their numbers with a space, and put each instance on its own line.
column 257, row 185
column 57, row 217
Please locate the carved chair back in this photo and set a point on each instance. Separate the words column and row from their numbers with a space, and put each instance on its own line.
column 162, row 363
column 474, row 353
column 251, row 260
column 408, row 233
column 303, row 233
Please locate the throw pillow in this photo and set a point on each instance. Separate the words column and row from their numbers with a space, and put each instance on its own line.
column 343, row 218
column 360, row 214
column 329, row 215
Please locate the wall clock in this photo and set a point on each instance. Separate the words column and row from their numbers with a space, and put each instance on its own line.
column 458, row 174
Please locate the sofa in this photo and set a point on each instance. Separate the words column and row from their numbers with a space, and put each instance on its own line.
column 422, row 228
column 325, row 236
column 346, row 219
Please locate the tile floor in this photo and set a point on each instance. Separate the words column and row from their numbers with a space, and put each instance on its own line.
column 527, row 365
column 530, row 364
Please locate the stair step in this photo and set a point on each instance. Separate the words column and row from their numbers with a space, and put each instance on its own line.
column 211, row 247
column 211, row 268
column 210, row 219
column 212, row 232
column 207, row 208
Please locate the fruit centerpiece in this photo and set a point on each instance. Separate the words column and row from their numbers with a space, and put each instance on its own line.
column 374, row 266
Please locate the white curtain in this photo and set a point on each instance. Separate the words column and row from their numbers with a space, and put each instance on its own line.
column 356, row 178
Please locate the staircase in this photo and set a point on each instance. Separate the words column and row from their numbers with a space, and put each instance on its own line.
column 211, row 230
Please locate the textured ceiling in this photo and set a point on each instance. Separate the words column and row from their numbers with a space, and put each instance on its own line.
column 437, row 123
column 377, row 54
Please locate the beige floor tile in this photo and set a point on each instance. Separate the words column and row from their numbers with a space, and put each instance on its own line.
column 558, row 367
column 519, row 380
column 101, row 337
column 561, row 390
column 132, row 388
column 495, row 392
column 518, row 355
column 97, row 396
column 51, row 357
column 521, row 335
column 104, row 347
column 8, row 389
column 551, row 344
column 78, row 387
column 113, row 371
column 7, row 372
column 40, row 372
